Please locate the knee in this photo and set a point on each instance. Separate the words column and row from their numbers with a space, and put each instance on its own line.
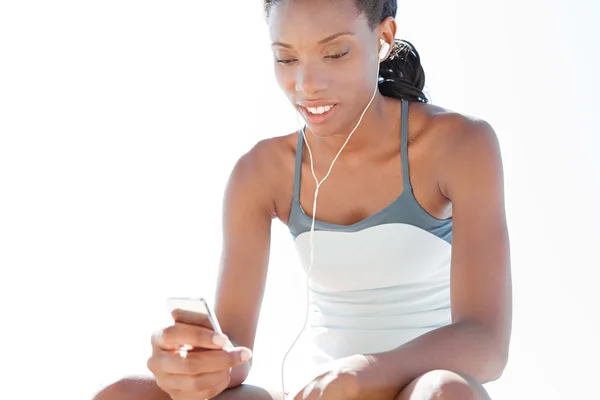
column 132, row 389
column 446, row 385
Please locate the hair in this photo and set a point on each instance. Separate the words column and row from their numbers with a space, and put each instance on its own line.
column 401, row 75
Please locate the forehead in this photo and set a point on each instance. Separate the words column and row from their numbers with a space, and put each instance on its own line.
column 305, row 22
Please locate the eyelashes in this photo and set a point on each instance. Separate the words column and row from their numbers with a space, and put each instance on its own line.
column 285, row 62
column 331, row 57
column 337, row 56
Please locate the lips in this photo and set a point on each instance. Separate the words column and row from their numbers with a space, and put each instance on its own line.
column 317, row 112
column 317, row 115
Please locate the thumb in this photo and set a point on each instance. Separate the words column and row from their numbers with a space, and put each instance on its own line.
column 238, row 355
column 157, row 341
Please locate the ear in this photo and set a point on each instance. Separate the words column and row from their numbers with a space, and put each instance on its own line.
column 387, row 30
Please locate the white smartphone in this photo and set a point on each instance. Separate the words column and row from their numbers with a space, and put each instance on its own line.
column 195, row 306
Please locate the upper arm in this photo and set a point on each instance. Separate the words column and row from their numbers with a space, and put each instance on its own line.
column 481, row 289
column 247, row 217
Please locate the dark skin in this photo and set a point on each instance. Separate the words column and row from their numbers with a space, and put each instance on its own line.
column 305, row 70
column 455, row 170
column 371, row 179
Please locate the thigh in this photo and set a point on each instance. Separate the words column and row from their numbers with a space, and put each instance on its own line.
column 249, row 392
column 133, row 388
column 444, row 385
column 145, row 388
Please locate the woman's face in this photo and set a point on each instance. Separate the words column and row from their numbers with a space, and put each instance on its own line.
column 325, row 61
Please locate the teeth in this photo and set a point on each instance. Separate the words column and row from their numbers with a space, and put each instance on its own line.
column 319, row 110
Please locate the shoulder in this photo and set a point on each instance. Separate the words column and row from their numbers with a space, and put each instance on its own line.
column 455, row 129
column 261, row 171
column 266, row 156
column 465, row 144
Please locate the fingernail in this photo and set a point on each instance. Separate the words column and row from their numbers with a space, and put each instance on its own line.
column 219, row 340
column 246, row 355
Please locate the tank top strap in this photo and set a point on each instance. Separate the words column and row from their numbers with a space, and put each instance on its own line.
column 298, row 168
column 404, row 145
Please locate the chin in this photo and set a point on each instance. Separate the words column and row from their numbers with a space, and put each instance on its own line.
column 322, row 130
column 333, row 127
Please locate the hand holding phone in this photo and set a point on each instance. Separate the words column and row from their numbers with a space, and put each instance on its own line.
column 202, row 370
column 195, row 311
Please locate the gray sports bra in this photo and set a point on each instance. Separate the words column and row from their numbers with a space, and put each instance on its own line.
column 405, row 209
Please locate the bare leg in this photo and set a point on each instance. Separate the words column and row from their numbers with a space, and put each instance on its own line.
column 144, row 388
column 132, row 389
column 444, row 385
column 248, row 392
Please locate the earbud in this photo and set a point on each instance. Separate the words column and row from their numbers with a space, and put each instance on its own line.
column 384, row 49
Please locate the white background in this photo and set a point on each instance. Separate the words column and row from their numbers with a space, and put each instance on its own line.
column 121, row 120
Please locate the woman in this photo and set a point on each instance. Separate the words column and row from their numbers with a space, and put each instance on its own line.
column 410, row 280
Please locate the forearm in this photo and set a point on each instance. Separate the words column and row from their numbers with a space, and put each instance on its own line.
column 460, row 347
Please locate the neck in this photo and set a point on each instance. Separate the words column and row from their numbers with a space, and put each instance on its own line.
column 375, row 126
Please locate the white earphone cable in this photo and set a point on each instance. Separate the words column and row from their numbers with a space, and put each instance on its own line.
column 314, row 216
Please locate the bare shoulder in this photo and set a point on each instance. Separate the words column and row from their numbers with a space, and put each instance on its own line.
column 268, row 157
column 265, row 168
column 455, row 129
column 464, row 142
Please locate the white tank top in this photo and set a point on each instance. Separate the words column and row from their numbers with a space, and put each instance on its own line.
column 375, row 284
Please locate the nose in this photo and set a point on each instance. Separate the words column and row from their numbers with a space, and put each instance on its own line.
column 310, row 80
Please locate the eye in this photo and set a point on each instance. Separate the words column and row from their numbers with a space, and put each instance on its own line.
column 285, row 61
column 337, row 56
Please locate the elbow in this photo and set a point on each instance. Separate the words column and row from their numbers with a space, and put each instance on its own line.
column 502, row 362
column 497, row 361
column 495, row 369
column 494, row 351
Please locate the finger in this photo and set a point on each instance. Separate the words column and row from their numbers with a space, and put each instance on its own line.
column 158, row 342
column 191, row 317
column 196, row 336
column 219, row 388
column 217, row 360
column 199, row 362
column 195, row 383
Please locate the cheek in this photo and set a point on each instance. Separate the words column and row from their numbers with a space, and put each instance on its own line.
column 354, row 77
column 356, row 84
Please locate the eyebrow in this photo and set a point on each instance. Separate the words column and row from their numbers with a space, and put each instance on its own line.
column 322, row 41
